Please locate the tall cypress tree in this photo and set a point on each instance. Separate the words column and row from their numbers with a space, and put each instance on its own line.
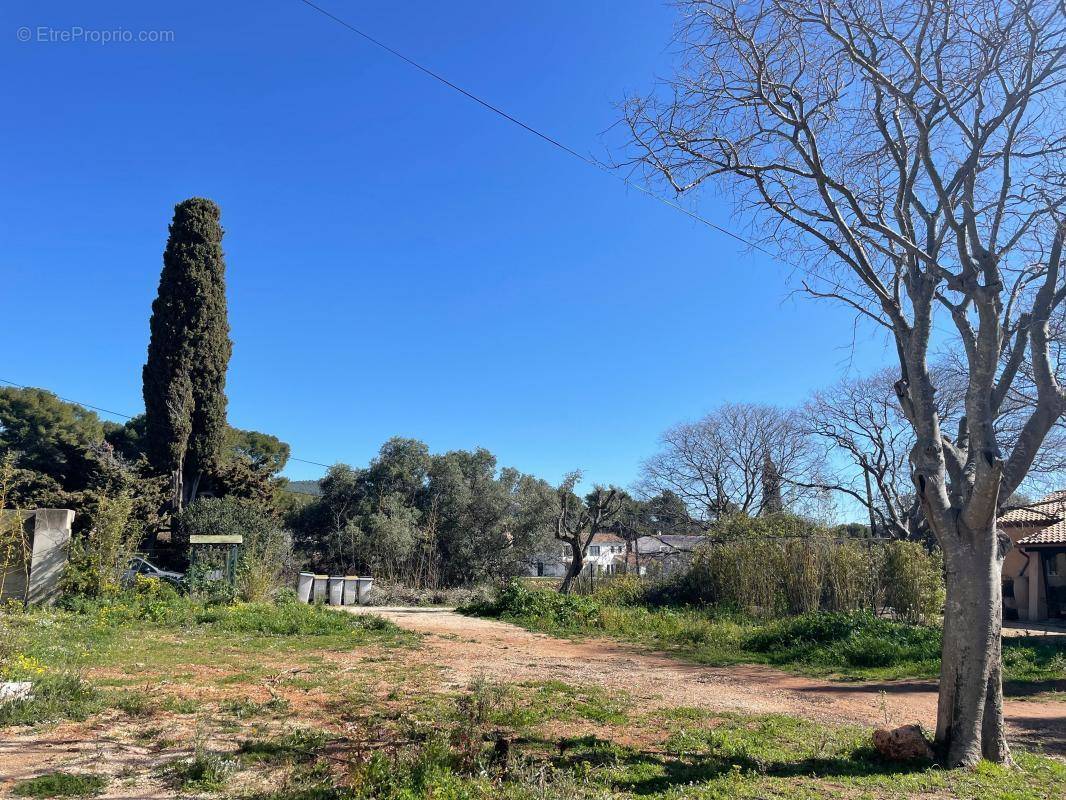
column 771, row 487
column 188, row 352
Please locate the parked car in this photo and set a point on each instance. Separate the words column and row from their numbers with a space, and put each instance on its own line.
column 142, row 566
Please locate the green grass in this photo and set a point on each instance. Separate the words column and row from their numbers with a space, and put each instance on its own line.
column 393, row 736
column 726, row 756
column 846, row 645
column 61, row 784
column 168, row 635
column 704, row 755
column 297, row 746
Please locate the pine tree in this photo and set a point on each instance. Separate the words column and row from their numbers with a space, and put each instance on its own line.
column 188, row 352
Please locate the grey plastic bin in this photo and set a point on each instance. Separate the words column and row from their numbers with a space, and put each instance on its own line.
column 351, row 590
column 365, row 585
column 304, row 585
column 321, row 588
column 336, row 591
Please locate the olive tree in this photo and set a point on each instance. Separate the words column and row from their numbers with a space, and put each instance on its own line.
column 577, row 521
column 907, row 156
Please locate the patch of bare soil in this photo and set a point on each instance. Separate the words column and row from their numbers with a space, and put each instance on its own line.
column 468, row 647
column 131, row 762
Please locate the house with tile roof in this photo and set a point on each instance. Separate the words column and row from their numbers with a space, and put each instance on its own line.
column 1034, row 571
column 605, row 556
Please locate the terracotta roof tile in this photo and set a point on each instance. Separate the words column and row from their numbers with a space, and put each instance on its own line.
column 1048, row 509
column 1053, row 534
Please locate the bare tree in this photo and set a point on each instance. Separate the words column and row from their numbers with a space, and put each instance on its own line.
column 723, row 463
column 908, row 155
column 860, row 419
column 577, row 521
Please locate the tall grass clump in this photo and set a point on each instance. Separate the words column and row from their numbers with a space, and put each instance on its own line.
column 100, row 558
column 776, row 576
column 912, row 582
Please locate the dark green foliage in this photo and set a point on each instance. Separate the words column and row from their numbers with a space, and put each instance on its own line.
column 189, row 350
column 484, row 524
column 64, row 458
column 265, row 559
column 427, row 520
column 856, row 640
column 49, row 436
column 260, row 450
column 247, row 469
column 555, row 610
column 61, row 784
column 665, row 512
column 128, row 439
column 228, row 516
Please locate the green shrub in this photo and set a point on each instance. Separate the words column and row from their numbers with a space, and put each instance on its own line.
column 775, row 576
column 149, row 599
column 621, row 590
column 854, row 639
column 551, row 608
column 912, row 581
column 100, row 557
column 266, row 553
column 61, row 784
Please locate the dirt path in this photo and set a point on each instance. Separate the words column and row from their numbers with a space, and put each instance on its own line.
column 467, row 647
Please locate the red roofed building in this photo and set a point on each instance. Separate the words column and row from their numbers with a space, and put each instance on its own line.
column 1034, row 572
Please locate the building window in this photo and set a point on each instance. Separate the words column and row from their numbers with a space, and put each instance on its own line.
column 594, row 550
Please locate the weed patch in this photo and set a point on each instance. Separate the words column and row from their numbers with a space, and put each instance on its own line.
column 856, row 645
column 205, row 771
column 61, row 784
column 53, row 697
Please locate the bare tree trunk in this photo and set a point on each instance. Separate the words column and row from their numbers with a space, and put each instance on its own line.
column 577, row 563
column 177, row 490
column 194, row 488
column 970, row 706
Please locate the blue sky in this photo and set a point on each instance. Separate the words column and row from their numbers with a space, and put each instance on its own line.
column 400, row 261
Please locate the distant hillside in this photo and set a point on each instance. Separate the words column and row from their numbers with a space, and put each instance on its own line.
column 305, row 487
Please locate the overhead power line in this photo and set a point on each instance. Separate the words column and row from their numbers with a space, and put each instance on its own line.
column 75, row 402
column 534, row 131
column 131, row 416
